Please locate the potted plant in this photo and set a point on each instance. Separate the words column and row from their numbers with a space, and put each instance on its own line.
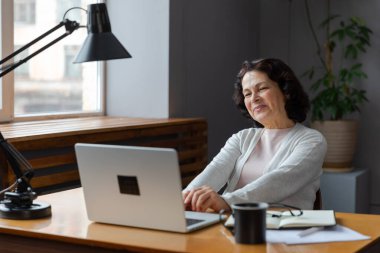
column 335, row 84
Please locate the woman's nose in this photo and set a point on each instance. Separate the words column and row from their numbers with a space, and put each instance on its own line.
column 255, row 97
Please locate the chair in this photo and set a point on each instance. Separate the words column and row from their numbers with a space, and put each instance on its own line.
column 318, row 200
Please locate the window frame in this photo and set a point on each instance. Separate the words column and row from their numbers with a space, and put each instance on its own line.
column 6, row 47
column 7, row 81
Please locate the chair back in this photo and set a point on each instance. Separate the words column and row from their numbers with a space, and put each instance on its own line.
column 318, row 200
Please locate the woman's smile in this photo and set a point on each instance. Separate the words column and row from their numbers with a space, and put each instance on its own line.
column 259, row 108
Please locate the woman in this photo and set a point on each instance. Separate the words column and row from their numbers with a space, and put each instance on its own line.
column 279, row 160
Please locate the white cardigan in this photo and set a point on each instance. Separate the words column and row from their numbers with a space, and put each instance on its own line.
column 291, row 177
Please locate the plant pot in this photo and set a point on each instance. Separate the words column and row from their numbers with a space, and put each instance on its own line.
column 341, row 142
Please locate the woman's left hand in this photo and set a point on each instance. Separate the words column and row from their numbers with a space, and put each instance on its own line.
column 202, row 198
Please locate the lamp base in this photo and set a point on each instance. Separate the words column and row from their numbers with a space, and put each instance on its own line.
column 35, row 211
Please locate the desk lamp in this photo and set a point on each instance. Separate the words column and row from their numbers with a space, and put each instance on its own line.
column 100, row 44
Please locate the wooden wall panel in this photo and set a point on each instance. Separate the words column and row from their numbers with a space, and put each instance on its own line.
column 49, row 145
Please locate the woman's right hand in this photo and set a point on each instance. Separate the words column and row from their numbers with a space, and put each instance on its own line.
column 202, row 198
column 184, row 196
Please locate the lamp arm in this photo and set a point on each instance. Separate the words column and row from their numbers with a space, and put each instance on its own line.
column 70, row 27
column 22, row 195
column 20, row 166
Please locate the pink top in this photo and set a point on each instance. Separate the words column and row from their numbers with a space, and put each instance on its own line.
column 261, row 155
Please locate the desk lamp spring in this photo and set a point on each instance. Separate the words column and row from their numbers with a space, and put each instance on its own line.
column 100, row 44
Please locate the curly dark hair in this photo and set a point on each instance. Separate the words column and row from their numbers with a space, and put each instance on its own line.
column 297, row 102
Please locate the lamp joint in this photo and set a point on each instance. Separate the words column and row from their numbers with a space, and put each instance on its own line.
column 70, row 26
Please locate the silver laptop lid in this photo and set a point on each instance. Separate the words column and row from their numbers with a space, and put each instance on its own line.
column 132, row 186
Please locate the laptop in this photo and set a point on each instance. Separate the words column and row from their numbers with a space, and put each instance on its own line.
column 136, row 186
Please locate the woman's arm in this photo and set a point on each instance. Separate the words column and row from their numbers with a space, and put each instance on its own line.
column 201, row 194
column 299, row 166
column 217, row 172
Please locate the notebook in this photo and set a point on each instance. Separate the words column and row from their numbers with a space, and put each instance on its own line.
column 309, row 218
column 136, row 186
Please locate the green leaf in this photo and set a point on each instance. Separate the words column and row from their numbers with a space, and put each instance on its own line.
column 349, row 31
column 340, row 33
column 361, row 47
column 343, row 75
column 332, row 45
column 351, row 52
column 356, row 66
column 366, row 30
column 357, row 20
column 364, row 41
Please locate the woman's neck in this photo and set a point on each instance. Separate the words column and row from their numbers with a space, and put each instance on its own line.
column 280, row 125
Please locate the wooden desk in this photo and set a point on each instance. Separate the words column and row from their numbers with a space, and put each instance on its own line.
column 69, row 230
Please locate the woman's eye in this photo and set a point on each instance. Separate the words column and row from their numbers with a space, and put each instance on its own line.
column 263, row 88
column 247, row 95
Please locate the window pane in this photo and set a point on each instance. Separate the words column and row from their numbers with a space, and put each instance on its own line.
column 49, row 83
column 23, row 70
column 64, row 5
column 24, row 11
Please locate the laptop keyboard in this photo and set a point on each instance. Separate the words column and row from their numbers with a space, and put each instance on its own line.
column 190, row 221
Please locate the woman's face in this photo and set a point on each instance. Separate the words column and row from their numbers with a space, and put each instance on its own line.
column 264, row 100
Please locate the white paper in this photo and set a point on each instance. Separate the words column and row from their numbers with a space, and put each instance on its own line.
column 329, row 234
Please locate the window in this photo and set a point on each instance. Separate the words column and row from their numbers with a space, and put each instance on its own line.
column 49, row 84
column 72, row 71
column 23, row 70
column 64, row 5
column 24, row 11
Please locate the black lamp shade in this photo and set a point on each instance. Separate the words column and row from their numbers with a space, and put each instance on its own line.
column 100, row 43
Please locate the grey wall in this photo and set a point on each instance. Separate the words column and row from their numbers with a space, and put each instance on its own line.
column 139, row 87
column 208, row 42
column 286, row 35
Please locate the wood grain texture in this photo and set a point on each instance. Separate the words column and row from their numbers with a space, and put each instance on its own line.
column 69, row 230
column 49, row 145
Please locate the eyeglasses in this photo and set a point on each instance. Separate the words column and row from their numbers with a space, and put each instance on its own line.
column 292, row 210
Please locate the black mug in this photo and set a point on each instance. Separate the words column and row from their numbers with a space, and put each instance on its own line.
column 250, row 222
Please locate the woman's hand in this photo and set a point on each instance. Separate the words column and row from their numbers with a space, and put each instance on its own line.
column 202, row 198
